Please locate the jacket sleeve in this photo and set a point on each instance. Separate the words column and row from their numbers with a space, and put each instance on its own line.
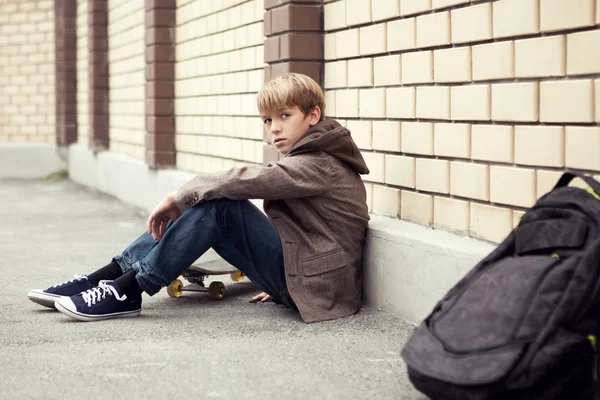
column 292, row 177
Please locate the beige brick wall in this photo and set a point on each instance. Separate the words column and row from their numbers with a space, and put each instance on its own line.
column 126, row 57
column 218, row 71
column 27, row 71
column 82, row 73
column 466, row 112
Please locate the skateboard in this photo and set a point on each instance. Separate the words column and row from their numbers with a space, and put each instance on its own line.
column 196, row 273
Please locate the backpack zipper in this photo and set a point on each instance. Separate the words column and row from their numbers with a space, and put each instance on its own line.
column 593, row 342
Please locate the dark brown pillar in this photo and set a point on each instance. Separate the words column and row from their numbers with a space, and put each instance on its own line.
column 294, row 31
column 98, row 74
column 65, row 25
column 160, row 83
column 294, row 43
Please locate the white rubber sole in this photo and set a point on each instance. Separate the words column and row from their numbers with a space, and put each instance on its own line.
column 87, row 318
column 42, row 298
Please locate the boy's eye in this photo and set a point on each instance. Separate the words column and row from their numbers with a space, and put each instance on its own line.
column 267, row 121
column 285, row 115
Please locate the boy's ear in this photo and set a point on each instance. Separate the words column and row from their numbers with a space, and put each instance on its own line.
column 314, row 116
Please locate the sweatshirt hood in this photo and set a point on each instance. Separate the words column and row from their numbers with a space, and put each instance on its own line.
column 332, row 138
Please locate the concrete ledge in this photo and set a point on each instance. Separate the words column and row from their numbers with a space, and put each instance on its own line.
column 30, row 160
column 408, row 267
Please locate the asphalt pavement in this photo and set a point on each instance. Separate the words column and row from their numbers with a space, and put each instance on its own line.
column 189, row 347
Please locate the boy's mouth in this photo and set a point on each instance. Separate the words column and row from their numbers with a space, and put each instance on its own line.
column 278, row 140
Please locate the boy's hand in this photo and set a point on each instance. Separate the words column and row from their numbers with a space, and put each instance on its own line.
column 263, row 298
column 165, row 211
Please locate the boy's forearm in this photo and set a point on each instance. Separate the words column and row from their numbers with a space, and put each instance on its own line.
column 272, row 182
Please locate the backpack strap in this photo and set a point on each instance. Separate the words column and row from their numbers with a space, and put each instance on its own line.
column 569, row 176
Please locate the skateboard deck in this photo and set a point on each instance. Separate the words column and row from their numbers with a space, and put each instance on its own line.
column 214, row 267
column 196, row 273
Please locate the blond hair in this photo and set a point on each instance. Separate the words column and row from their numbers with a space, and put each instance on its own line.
column 289, row 90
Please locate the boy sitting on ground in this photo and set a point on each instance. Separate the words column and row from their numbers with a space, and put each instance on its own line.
column 307, row 254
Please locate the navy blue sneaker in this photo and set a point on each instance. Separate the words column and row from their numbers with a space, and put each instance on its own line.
column 69, row 288
column 102, row 302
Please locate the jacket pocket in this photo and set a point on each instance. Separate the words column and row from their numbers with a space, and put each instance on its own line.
column 320, row 264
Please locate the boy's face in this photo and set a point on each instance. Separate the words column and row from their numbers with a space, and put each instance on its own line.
column 286, row 126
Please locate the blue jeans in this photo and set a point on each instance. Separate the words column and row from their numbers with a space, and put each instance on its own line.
column 237, row 230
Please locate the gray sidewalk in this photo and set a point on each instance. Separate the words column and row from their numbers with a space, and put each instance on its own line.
column 190, row 347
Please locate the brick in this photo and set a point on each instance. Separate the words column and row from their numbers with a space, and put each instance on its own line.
column 512, row 186
column 490, row 223
column 410, row 7
column 470, row 180
column 372, row 39
column 545, row 181
column 386, row 135
column 515, row 17
column 336, row 74
column 160, row 142
column 385, row 9
column 433, row 102
column 330, row 51
column 492, row 143
column 360, row 72
column 369, row 190
column 515, row 102
column 387, row 70
column 417, row 67
column 159, row 17
column 400, row 102
column 358, row 12
column 470, row 102
column 447, row 3
column 582, row 148
column 400, row 171
column 597, row 91
column 417, row 138
column 335, row 15
column 347, row 44
column 567, row 101
column 452, row 140
column 472, row 24
column 581, row 59
column 540, row 57
column 346, row 103
column 540, row 145
column 376, row 164
column 361, row 133
column 433, row 175
column 416, row 208
column 433, row 29
column 386, row 201
column 557, row 15
column 451, row 215
column 493, row 61
column 452, row 65
column 401, row 34
column 372, row 103
column 517, row 215
column 301, row 46
column 331, row 103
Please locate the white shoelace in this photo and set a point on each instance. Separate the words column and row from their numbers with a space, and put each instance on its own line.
column 91, row 296
column 75, row 278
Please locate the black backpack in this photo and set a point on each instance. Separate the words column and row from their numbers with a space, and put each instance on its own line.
column 523, row 323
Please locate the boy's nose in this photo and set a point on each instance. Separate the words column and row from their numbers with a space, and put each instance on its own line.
column 275, row 127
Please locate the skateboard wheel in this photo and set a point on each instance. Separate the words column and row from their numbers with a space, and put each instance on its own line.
column 237, row 276
column 174, row 289
column 216, row 290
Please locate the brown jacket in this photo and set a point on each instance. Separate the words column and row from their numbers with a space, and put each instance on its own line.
column 316, row 199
